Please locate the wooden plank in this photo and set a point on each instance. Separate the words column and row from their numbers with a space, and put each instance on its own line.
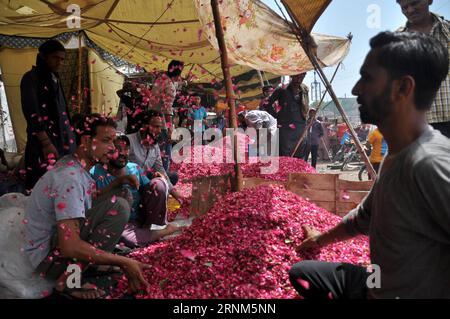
column 355, row 186
column 313, row 194
column 252, row 182
column 313, row 181
column 344, row 208
column 205, row 191
column 329, row 206
column 352, row 197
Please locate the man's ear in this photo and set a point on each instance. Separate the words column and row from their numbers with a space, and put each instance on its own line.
column 86, row 141
column 404, row 88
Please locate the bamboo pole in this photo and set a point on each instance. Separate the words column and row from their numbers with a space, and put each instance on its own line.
column 80, row 52
column 306, row 42
column 238, row 182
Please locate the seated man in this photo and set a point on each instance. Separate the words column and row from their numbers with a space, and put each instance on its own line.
column 61, row 225
column 406, row 214
column 147, row 198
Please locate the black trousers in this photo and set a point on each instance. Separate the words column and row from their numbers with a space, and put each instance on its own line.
column 443, row 127
column 323, row 280
column 314, row 150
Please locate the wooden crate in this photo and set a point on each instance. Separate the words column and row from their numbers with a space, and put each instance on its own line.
column 205, row 191
column 329, row 191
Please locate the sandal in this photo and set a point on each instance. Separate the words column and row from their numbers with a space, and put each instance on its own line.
column 68, row 293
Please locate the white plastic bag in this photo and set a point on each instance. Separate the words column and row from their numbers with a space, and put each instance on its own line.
column 16, row 272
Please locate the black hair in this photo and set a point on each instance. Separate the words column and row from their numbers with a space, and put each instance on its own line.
column 123, row 138
column 87, row 125
column 51, row 46
column 145, row 117
column 415, row 54
column 175, row 68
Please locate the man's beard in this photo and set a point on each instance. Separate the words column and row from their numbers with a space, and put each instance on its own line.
column 379, row 109
column 117, row 164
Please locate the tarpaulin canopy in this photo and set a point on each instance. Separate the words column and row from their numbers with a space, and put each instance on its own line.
column 257, row 37
column 150, row 33
column 305, row 12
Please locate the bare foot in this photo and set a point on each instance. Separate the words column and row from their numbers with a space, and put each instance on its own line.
column 169, row 230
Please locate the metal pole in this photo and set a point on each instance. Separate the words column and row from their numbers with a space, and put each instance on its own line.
column 229, row 90
column 305, row 41
column 260, row 78
column 303, row 135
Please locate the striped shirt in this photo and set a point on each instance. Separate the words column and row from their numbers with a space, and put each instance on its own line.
column 440, row 110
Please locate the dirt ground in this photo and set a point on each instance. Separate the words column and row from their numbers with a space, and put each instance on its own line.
column 350, row 174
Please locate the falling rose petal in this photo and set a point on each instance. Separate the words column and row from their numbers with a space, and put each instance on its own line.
column 292, row 126
column 345, row 196
column 303, row 283
column 188, row 254
column 330, row 295
column 113, row 199
column 25, row 221
column 61, row 206
column 112, row 212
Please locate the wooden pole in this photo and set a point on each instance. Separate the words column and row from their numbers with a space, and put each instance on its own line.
column 80, row 65
column 306, row 42
column 238, row 182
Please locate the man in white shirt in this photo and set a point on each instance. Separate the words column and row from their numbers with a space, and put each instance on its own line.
column 260, row 120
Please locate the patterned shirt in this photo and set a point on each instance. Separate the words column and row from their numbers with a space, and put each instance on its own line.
column 440, row 110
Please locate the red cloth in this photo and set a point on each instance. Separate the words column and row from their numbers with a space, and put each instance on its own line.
column 341, row 130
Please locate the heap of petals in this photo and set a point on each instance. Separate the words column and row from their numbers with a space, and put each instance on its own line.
column 243, row 248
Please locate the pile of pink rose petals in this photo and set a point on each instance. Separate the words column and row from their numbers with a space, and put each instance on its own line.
column 243, row 248
column 188, row 171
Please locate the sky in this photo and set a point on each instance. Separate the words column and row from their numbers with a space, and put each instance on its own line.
column 345, row 16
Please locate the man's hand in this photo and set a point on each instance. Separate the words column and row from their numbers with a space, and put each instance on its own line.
column 50, row 149
column 133, row 270
column 159, row 175
column 129, row 179
column 311, row 241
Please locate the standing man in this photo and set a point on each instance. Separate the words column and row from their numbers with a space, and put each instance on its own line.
column 420, row 19
column 406, row 214
column 197, row 115
column 49, row 133
column 61, row 225
column 379, row 148
column 163, row 96
column 267, row 91
column 293, row 103
column 313, row 137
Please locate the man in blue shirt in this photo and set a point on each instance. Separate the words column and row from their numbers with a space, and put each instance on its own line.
column 147, row 198
column 198, row 115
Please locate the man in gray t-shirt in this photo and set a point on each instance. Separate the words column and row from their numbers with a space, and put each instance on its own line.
column 406, row 215
column 62, row 227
